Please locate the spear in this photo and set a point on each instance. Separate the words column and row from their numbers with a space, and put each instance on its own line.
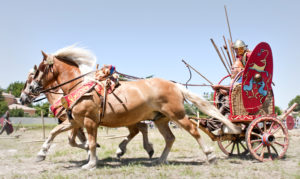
column 226, row 48
column 228, row 23
column 231, row 50
column 196, row 71
column 225, row 58
column 216, row 48
column 232, row 53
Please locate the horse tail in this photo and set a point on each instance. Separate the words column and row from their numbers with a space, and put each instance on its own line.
column 207, row 108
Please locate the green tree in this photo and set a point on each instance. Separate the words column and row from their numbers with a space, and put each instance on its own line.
column 192, row 110
column 42, row 107
column 3, row 104
column 295, row 100
column 278, row 110
column 16, row 112
column 15, row 88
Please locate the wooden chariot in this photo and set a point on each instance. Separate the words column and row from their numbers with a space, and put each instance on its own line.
column 263, row 134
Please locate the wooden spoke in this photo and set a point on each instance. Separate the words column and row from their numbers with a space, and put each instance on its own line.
column 259, row 128
column 243, row 146
column 257, row 140
column 262, row 153
column 253, row 133
column 232, row 148
column 265, row 126
column 274, row 150
column 276, row 130
column 282, row 145
column 258, row 147
column 270, row 154
column 271, row 127
column 228, row 145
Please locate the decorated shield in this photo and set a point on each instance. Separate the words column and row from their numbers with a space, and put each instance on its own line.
column 290, row 122
column 257, row 77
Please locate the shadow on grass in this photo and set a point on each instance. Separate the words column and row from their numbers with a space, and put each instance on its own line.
column 117, row 163
column 111, row 162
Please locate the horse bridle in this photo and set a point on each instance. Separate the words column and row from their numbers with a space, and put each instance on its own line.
column 49, row 67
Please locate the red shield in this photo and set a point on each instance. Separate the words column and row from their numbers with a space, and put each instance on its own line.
column 257, row 77
column 290, row 122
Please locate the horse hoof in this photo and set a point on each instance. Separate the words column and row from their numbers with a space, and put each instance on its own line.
column 40, row 158
column 89, row 167
column 160, row 162
column 98, row 145
column 151, row 153
column 120, row 153
column 211, row 158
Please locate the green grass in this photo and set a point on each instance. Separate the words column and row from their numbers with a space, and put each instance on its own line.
column 186, row 159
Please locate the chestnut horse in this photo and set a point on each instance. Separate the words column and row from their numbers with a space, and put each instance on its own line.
column 56, row 94
column 130, row 103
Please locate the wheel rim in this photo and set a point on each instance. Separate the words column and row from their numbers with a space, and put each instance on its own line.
column 267, row 139
column 235, row 147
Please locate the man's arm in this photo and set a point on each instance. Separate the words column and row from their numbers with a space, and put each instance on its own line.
column 217, row 87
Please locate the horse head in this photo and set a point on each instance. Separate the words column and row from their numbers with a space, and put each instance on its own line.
column 26, row 95
column 43, row 75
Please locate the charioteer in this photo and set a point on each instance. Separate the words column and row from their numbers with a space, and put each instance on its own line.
column 242, row 56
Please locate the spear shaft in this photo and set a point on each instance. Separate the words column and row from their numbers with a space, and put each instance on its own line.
column 196, row 71
column 216, row 48
column 225, row 58
column 227, row 51
column 228, row 24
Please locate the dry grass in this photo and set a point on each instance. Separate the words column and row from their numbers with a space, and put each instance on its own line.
column 185, row 160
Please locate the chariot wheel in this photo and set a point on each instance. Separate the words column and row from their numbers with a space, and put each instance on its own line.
column 267, row 139
column 235, row 147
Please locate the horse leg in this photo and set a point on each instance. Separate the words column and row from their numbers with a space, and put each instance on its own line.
column 163, row 127
column 192, row 129
column 133, row 131
column 143, row 128
column 81, row 136
column 91, row 128
column 72, row 135
column 53, row 133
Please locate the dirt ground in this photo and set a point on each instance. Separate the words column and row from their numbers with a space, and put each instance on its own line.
column 186, row 160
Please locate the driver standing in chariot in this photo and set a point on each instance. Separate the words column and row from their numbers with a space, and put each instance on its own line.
column 242, row 56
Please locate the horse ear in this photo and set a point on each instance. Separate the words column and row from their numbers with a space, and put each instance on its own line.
column 44, row 55
column 35, row 67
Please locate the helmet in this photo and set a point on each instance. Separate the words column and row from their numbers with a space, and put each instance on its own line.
column 239, row 43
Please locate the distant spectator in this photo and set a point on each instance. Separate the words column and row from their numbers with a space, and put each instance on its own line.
column 6, row 124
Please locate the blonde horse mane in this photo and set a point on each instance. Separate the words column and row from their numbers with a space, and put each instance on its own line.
column 84, row 58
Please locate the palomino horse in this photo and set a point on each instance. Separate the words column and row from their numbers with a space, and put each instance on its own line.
column 130, row 103
column 53, row 96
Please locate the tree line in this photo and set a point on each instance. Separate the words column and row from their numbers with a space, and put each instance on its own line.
column 15, row 89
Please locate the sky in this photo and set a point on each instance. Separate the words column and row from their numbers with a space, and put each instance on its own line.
column 151, row 37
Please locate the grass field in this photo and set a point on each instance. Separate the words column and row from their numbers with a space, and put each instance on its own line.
column 186, row 160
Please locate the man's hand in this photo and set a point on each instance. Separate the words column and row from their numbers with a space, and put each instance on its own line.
column 215, row 87
column 224, row 92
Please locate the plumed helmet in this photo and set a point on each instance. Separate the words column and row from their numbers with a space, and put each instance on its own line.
column 239, row 43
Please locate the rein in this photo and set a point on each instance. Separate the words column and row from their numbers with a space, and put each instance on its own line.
column 185, row 84
column 128, row 76
column 62, row 84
